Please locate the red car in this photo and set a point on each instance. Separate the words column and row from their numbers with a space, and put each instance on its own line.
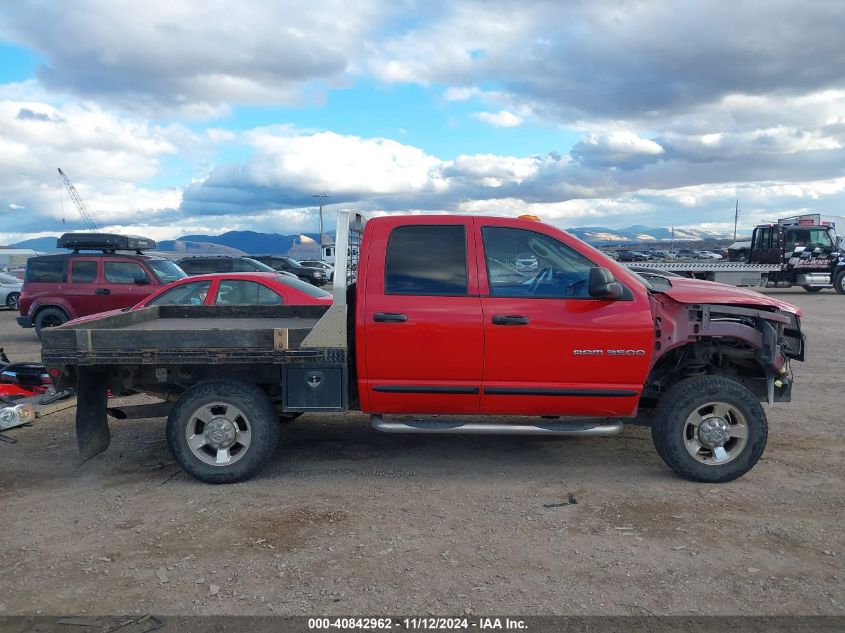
column 231, row 289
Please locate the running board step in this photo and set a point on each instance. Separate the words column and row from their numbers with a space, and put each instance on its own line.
column 478, row 428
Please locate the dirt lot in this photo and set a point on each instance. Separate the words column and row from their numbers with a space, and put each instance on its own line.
column 347, row 520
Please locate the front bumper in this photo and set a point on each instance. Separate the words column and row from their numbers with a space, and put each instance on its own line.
column 25, row 321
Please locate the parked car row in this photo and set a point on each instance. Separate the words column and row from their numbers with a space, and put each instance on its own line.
column 106, row 273
column 10, row 291
column 656, row 254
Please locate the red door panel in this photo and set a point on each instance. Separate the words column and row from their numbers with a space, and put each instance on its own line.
column 119, row 287
column 523, row 362
column 80, row 292
column 421, row 354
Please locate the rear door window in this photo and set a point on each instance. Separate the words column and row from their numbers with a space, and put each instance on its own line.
column 427, row 260
column 124, row 273
column 83, row 272
column 243, row 266
column 242, row 292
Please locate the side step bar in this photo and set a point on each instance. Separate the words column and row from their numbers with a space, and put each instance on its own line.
column 479, row 428
column 139, row 411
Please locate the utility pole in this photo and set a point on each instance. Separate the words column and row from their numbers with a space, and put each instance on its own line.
column 321, row 196
column 736, row 217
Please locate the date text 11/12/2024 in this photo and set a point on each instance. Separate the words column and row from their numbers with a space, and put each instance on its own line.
column 421, row 623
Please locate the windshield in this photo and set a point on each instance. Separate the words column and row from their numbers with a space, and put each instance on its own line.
column 262, row 268
column 166, row 270
column 8, row 279
column 302, row 286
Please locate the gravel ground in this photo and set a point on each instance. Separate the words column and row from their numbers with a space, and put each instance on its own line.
column 346, row 520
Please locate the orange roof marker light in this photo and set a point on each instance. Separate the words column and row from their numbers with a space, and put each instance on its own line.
column 530, row 218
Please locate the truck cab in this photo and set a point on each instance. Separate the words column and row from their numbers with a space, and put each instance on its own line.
column 807, row 250
column 449, row 292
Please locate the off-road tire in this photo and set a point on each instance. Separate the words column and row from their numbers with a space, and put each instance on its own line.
column 49, row 317
column 813, row 289
column 12, row 300
column 839, row 282
column 248, row 398
column 668, row 427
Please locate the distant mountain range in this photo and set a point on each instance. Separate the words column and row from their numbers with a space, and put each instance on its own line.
column 306, row 246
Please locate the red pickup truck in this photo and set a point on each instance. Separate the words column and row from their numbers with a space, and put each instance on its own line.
column 442, row 321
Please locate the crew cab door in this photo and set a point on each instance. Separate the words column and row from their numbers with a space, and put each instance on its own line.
column 124, row 283
column 551, row 349
column 422, row 344
column 81, row 290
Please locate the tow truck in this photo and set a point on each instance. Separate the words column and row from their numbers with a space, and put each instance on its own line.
column 441, row 323
column 800, row 251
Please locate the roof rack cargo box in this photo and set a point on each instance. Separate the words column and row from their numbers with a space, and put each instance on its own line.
column 105, row 242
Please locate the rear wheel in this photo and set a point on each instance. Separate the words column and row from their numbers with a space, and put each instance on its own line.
column 222, row 431
column 710, row 429
column 12, row 300
column 813, row 289
column 839, row 282
column 49, row 317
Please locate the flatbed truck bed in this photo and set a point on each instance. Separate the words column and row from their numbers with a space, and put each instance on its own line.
column 167, row 335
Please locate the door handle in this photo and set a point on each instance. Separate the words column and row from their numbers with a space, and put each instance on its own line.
column 507, row 319
column 390, row 317
column 103, row 291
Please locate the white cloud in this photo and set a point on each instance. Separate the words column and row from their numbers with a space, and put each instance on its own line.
column 491, row 170
column 327, row 161
column 615, row 146
column 503, row 118
column 199, row 56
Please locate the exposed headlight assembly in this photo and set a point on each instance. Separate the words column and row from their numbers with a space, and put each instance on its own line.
column 16, row 415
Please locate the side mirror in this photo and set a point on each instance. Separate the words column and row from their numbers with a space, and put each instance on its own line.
column 602, row 285
column 141, row 280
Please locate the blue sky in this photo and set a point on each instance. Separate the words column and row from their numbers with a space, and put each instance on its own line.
column 206, row 116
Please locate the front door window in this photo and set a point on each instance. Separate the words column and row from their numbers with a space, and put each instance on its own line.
column 523, row 263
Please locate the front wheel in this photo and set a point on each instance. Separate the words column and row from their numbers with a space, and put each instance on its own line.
column 12, row 300
column 839, row 282
column 222, row 431
column 709, row 429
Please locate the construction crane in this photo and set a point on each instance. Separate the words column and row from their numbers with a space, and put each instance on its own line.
column 90, row 220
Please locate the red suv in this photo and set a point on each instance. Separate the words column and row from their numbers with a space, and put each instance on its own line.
column 58, row 288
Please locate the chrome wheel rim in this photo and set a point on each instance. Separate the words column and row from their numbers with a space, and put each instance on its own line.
column 218, row 434
column 12, row 301
column 715, row 433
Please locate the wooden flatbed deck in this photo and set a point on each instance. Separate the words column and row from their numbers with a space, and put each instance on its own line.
column 165, row 335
